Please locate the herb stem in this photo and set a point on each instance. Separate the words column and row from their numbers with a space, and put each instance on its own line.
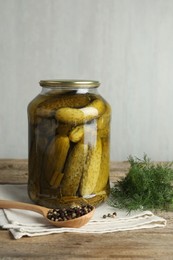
column 147, row 185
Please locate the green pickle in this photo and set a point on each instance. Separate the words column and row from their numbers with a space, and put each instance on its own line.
column 69, row 144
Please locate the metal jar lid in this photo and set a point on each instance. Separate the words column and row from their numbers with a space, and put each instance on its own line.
column 70, row 83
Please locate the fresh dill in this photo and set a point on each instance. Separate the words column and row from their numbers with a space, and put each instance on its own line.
column 147, row 185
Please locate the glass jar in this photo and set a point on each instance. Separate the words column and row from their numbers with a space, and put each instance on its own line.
column 69, row 144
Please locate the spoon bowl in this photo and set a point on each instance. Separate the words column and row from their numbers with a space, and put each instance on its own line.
column 72, row 223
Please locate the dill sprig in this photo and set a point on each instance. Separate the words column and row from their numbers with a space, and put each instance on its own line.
column 147, row 185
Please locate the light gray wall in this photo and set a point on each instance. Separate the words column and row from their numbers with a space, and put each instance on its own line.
column 125, row 44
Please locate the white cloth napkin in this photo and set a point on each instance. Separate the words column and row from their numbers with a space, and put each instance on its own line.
column 26, row 223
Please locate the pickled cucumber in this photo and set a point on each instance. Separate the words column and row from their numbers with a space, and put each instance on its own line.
column 32, row 107
column 55, row 157
column 73, row 169
column 50, row 106
column 103, row 177
column 76, row 133
column 79, row 116
column 91, row 169
column 103, row 123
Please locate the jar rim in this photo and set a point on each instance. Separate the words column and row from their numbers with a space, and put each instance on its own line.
column 70, row 83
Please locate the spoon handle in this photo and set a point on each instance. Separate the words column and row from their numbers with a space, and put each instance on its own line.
column 6, row 204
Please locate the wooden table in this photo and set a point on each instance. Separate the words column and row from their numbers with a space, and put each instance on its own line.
column 156, row 243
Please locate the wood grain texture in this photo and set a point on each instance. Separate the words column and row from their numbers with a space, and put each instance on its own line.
column 154, row 243
column 16, row 171
column 13, row 171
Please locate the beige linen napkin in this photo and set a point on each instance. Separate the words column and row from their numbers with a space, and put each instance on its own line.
column 26, row 223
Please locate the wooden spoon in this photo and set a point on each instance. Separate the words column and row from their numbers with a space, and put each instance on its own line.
column 72, row 223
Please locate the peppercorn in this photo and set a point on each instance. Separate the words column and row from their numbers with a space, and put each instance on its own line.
column 113, row 215
column 72, row 212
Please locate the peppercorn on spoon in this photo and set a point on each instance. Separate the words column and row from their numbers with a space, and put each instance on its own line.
column 72, row 223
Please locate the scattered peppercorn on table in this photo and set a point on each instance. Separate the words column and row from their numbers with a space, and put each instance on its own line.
column 154, row 243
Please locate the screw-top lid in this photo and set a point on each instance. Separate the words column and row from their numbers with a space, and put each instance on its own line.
column 70, row 83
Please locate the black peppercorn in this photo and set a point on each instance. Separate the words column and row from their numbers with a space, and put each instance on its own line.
column 72, row 212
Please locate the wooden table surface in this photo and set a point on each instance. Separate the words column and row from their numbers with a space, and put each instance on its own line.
column 156, row 243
